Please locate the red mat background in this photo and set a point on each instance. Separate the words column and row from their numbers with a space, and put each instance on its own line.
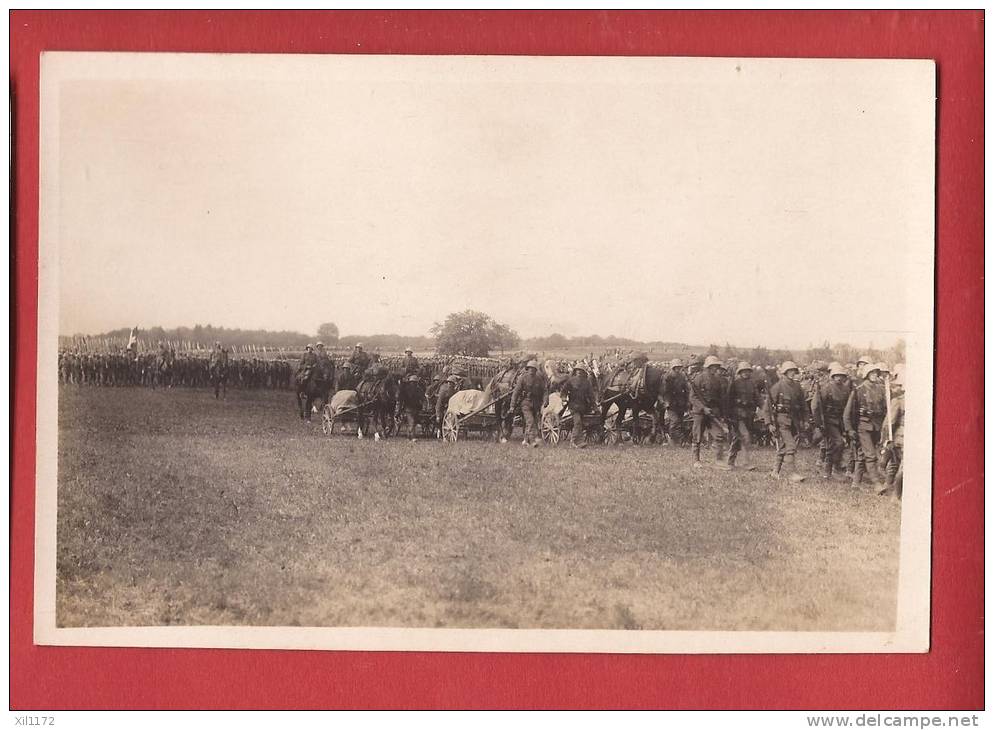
column 950, row 676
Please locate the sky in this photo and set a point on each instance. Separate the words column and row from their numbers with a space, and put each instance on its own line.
column 718, row 200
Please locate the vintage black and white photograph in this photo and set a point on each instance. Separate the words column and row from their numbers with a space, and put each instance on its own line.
column 485, row 353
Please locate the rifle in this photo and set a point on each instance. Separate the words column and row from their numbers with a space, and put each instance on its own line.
column 725, row 426
column 890, row 420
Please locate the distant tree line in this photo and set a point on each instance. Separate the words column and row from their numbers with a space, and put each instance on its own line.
column 477, row 334
column 206, row 335
column 826, row 352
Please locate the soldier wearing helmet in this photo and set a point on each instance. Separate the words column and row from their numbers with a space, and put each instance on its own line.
column 358, row 361
column 862, row 362
column 326, row 366
column 786, row 417
column 410, row 365
column 308, row 363
column 448, row 388
column 827, row 408
column 695, row 366
column 529, row 393
column 579, row 394
column 744, row 399
column 708, row 403
column 894, row 445
column 676, row 399
column 864, row 417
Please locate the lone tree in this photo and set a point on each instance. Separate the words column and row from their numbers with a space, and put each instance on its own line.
column 473, row 334
column 328, row 331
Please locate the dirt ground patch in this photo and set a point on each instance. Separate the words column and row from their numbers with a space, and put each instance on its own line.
column 178, row 509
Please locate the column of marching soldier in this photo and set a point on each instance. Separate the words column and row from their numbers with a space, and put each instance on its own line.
column 166, row 369
column 856, row 414
column 856, row 417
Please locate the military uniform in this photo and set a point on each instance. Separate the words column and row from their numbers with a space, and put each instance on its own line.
column 326, row 366
column 580, row 394
column 411, row 365
column 786, row 413
column 529, row 393
column 895, row 465
column 359, row 361
column 708, row 400
column 445, row 391
column 863, row 417
column 827, row 408
column 743, row 400
column 676, row 397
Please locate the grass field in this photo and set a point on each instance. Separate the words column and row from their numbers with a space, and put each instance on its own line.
column 177, row 509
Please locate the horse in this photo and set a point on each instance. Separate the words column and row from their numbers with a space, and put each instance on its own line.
column 310, row 386
column 219, row 378
column 378, row 401
column 412, row 402
column 499, row 389
column 636, row 391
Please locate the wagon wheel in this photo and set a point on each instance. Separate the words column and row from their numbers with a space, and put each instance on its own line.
column 551, row 428
column 450, row 428
column 327, row 422
column 611, row 434
column 594, row 432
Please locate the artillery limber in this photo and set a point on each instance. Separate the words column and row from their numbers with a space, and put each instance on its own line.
column 479, row 419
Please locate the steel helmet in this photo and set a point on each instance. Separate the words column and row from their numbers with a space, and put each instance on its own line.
column 743, row 366
column 413, row 379
column 320, row 344
column 408, row 349
column 787, row 366
column 696, row 360
column 837, row 369
column 532, row 364
column 870, row 368
column 309, row 347
column 676, row 363
column 883, row 367
column 580, row 366
column 711, row 360
column 358, row 345
column 864, row 358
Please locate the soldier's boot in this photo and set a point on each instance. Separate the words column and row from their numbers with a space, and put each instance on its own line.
column 857, row 474
column 874, row 473
column 888, row 484
column 697, row 456
column 826, row 470
column 839, row 471
column 777, row 466
column 791, row 464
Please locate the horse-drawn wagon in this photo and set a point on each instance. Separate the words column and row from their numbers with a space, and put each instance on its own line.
column 557, row 425
column 468, row 412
